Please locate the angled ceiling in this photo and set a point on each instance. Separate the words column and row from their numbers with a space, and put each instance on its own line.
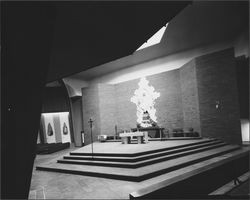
column 200, row 23
column 88, row 34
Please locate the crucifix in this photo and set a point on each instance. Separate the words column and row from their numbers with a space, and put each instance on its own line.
column 90, row 124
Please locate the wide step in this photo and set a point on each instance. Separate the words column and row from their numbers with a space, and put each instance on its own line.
column 141, row 173
column 142, row 157
column 139, row 153
column 149, row 161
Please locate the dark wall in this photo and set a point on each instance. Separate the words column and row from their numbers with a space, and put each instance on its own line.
column 217, row 85
column 77, row 116
column 27, row 30
column 55, row 99
column 242, row 70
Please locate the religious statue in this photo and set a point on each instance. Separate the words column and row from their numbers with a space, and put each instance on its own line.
column 147, row 121
column 65, row 129
column 49, row 130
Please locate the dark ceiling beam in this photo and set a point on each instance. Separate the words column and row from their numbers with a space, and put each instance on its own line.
column 89, row 34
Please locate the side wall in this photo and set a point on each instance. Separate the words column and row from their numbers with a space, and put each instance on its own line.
column 189, row 93
column 90, row 109
column 76, row 108
column 107, row 109
column 169, row 104
column 218, row 96
column 202, row 94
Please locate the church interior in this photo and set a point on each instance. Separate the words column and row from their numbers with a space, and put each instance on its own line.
column 125, row 100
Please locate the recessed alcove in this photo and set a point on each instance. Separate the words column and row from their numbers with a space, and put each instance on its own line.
column 188, row 99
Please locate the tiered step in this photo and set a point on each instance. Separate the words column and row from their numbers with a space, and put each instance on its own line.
column 141, row 165
column 215, row 172
column 143, row 160
column 142, row 152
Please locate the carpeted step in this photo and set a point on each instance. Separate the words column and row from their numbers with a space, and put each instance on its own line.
column 140, row 153
column 142, row 157
column 148, row 161
column 159, row 184
column 138, row 174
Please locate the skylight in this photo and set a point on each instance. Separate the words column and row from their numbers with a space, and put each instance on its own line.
column 155, row 39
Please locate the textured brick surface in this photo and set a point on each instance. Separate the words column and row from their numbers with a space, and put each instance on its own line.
column 169, row 104
column 90, row 102
column 113, row 106
column 125, row 109
column 188, row 98
column 216, row 80
column 107, row 109
column 189, row 92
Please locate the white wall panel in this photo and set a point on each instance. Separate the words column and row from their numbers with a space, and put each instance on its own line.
column 49, row 128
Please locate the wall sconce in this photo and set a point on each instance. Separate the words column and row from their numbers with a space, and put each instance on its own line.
column 217, row 104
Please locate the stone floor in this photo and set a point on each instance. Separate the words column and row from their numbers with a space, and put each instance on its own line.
column 52, row 185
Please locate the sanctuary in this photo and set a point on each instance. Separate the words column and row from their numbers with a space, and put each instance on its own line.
column 125, row 100
column 168, row 121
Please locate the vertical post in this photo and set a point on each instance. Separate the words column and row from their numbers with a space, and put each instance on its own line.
column 116, row 135
column 90, row 124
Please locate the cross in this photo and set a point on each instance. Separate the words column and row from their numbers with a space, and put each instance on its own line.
column 90, row 124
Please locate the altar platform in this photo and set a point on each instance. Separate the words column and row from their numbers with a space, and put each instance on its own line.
column 117, row 148
column 145, row 169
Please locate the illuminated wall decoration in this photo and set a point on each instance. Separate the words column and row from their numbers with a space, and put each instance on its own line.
column 144, row 98
column 56, row 127
column 48, row 128
column 64, row 124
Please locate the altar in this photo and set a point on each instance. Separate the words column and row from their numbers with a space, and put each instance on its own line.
column 140, row 136
column 153, row 132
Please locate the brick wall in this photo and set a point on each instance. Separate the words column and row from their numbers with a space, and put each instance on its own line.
column 189, row 92
column 110, row 105
column 125, row 109
column 169, row 104
column 107, row 109
column 188, row 98
column 90, row 107
column 216, row 80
